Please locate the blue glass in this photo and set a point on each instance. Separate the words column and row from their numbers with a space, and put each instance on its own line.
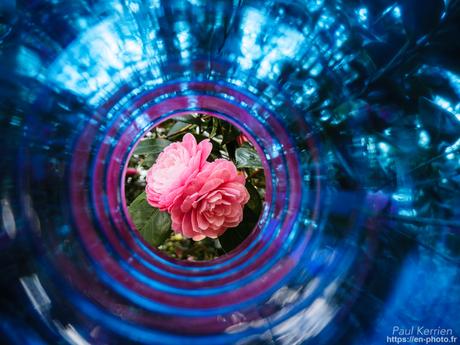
column 354, row 107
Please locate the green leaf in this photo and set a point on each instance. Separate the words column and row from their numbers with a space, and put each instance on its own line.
column 229, row 133
column 151, row 146
column 149, row 160
column 178, row 127
column 155, row 226
column 214, row 126
column 255, row 201
column 247, row 157
column 140, row 209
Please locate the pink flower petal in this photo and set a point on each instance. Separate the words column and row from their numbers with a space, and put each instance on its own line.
column 210, row 185
column 198, row 237
column 203, row 224
column 187, row 225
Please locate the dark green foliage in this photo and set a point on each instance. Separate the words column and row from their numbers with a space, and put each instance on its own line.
column 235, row 236
column 155, row 226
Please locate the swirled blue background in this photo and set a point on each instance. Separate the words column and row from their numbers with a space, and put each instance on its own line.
column 354, row 107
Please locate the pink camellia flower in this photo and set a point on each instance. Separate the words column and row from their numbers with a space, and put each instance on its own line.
column 211, row 203
column 175, row 167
